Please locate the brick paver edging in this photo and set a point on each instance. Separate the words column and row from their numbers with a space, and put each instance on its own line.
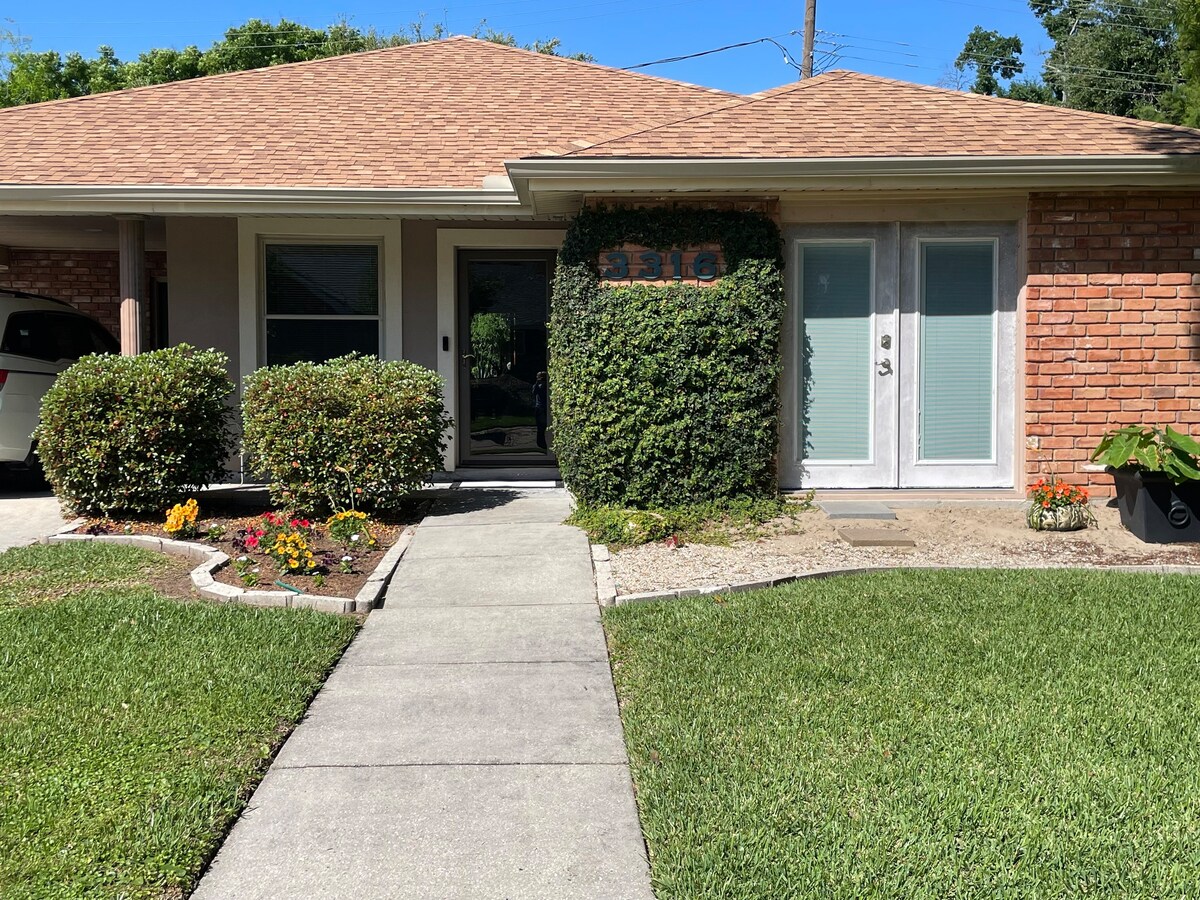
column 209, row 561
column 606, row 591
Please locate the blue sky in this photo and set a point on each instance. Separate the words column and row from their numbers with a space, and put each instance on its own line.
column 915, row 41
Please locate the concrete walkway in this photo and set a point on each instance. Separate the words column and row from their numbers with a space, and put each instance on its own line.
column 28, row 511
column 468, row 745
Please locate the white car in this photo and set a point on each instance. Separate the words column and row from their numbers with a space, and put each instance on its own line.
column 39, row 338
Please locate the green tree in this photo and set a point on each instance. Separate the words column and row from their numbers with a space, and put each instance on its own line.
column 992, row 57
column 258, row 44
column 164, row 64
column 32, row 77
column 1183, row 104
column 490, row 338
column 1112, row 56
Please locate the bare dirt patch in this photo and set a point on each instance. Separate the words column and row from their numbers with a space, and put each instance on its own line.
column 983, row 537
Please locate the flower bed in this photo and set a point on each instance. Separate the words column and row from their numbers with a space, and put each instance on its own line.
column 271, row 550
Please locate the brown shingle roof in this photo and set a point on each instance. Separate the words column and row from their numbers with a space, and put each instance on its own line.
column 847, row 114
column 440, row 114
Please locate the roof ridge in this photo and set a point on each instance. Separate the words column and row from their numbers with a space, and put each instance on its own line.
column 356, row 55
column 741, row 101
column 970, row 97
column 124, row 92
column 789, row 86
column 591, row 65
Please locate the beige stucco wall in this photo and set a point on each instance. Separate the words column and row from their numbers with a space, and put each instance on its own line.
column 420, row 248
column 202, row 272
column 419, row 242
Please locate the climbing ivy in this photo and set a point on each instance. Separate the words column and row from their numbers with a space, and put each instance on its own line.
column 667, row 394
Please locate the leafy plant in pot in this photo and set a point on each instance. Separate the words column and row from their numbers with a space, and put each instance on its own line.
column 1157, row 476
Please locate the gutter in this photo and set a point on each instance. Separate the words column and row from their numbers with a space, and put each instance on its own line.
column 581, row 175
column 250, row 201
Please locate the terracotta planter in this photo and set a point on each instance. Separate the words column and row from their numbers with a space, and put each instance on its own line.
column 1155, row 509
column 1058, row 518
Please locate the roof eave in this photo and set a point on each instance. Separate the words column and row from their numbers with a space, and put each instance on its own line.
column 255, row 201
column 629, row 174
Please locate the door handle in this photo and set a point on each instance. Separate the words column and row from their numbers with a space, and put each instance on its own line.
column 885, row 367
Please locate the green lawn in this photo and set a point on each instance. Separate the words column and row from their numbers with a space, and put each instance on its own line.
column 133, row 726
column 973, row 734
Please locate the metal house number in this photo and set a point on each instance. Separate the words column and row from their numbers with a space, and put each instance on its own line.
column 654, row 266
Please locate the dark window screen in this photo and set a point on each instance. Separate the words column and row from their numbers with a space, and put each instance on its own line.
column 318, row 340
column 322, row 280
column 314, row 294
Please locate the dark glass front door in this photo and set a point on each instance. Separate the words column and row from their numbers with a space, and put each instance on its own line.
column 504, row 303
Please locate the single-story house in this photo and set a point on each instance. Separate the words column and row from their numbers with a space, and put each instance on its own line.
column 978, row 287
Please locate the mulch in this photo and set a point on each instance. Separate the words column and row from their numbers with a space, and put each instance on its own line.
column 233, row 517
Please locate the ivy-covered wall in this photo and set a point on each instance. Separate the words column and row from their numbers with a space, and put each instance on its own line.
column 666, row 394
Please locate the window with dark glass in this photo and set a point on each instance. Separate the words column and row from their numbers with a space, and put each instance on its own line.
column 53, row 336
column 321, row 301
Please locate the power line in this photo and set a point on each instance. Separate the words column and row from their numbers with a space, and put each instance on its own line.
column 787, row 57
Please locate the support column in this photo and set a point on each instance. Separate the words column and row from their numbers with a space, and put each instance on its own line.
column 131, row 245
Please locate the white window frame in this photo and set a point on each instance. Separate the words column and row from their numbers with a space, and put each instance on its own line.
column 254, row 232
column 264, row 242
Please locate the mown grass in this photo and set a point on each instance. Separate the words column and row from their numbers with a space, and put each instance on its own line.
column 977, row 734
column 132, row 726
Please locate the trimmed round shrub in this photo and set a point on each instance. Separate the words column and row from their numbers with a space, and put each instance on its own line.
column 135, row 433
column 352, row 433
column 667, row 395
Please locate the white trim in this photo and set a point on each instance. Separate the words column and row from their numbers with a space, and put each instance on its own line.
column 449, row 242
column 160, row 199
column 896, row 428
column 1000, row 470
column 546, row 184
column 795, row 471
column 253, row 231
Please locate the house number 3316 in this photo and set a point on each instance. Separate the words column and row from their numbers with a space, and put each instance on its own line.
column 654, row 266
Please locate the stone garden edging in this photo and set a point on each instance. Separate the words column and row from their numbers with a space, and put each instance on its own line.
column 208, row 561
column 606, row 590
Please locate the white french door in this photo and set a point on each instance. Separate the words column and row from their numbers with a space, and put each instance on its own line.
column 901, row 356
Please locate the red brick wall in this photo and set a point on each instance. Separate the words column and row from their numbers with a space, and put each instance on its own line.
column 87, row 279
column 1112, row 322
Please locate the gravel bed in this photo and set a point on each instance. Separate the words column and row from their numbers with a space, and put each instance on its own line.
column 979, row 537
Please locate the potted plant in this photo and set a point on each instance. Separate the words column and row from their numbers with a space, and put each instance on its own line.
column 1058, row 506
column 1157, row 475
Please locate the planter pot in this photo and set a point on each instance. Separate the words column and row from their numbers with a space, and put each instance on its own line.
column 1155, row 509
column 1062, row 518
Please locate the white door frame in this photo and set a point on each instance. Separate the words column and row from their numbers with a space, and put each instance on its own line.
column 449, row 242
column 895, row 459
column 880, row 467
column 997, row 471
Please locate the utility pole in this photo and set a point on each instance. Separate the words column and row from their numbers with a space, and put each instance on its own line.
column 810, row 32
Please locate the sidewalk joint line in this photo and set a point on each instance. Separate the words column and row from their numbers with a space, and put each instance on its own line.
column 446, row 765
column 481, row 662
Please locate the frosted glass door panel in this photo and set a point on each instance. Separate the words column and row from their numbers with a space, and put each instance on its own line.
column 836, row 345
column 957, row 351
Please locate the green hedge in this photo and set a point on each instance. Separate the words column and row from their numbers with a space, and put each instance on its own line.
column 135, row 433
column 355, row 432
column 665, row 395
